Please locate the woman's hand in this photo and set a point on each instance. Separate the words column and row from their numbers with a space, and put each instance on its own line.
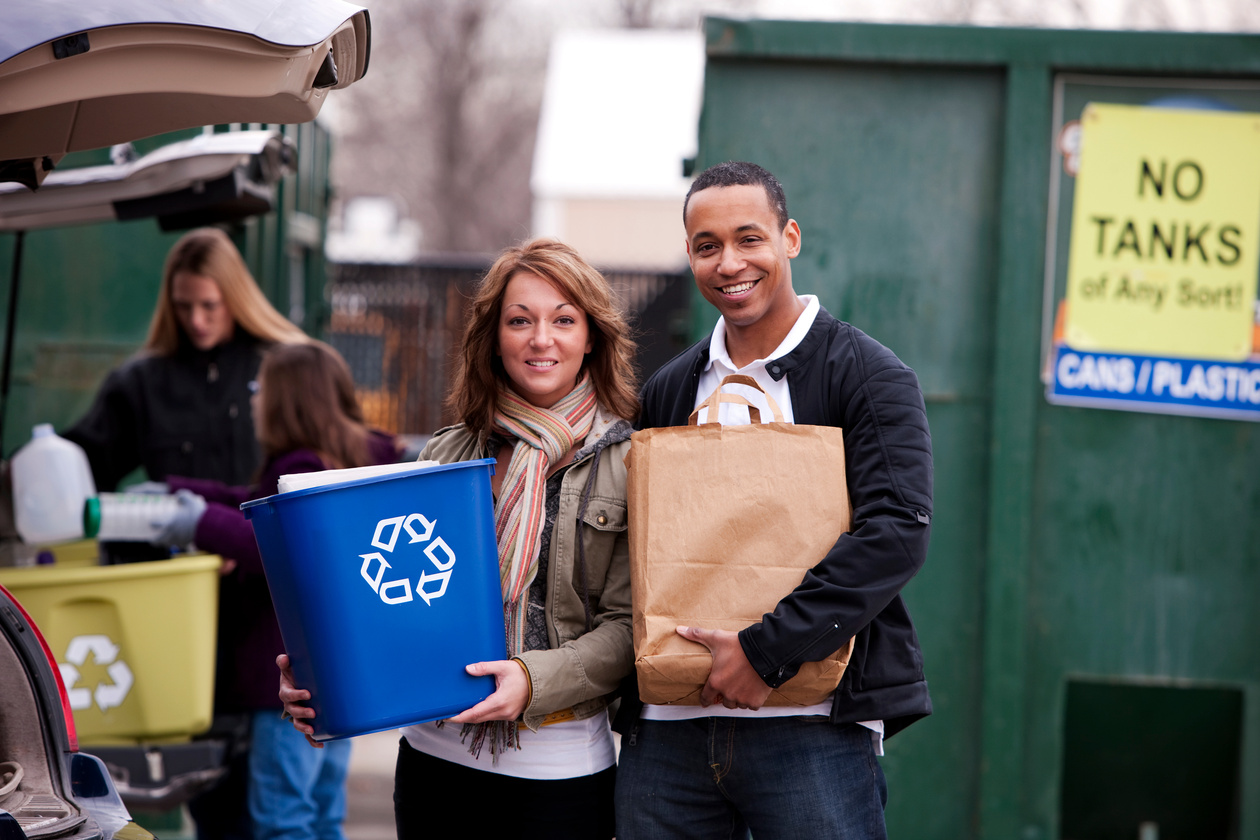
column 511, row 692
column 180, row 526
column 293, row 699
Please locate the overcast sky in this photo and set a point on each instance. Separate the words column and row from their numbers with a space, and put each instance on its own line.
column 1189, row 15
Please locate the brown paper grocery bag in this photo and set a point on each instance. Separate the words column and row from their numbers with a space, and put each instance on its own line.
column 724, row 522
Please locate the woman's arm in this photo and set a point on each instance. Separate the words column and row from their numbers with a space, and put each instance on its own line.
column 593, row 664
column 108, row 433
column 210, row 490
column 539, row 682
column 225, row 531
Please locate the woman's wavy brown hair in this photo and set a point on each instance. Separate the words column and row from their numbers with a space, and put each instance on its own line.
column 479, row 371
column 210, row 253
column 306, row 401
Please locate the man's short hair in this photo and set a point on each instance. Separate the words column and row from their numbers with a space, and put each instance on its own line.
column 741, row 173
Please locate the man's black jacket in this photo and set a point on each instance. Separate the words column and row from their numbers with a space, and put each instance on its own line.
column 839, row 376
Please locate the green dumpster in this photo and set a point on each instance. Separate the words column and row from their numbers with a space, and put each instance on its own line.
column 1085, row 611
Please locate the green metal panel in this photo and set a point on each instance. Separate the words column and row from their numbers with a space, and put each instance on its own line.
column 1011, row 451
column 1068, row 544
column 87, row 292
column 85, row 299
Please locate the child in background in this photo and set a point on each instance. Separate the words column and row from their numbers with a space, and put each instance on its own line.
column 307, row 418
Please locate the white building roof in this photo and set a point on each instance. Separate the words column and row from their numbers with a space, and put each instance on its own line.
column 620, row 113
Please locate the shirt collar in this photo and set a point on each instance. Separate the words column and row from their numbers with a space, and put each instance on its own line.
column 717, row 342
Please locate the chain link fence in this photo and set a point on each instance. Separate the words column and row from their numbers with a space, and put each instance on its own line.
column 398, row 325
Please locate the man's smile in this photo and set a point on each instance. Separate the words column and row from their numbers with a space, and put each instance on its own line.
column 737, row 288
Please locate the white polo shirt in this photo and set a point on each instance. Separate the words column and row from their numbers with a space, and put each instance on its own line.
column 733, row 414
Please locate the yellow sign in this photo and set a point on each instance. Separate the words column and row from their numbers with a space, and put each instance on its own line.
column 1165, row 233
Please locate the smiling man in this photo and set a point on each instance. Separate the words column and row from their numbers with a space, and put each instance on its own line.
column 731, row 765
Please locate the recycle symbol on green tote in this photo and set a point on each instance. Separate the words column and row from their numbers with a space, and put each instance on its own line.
column 428, row 586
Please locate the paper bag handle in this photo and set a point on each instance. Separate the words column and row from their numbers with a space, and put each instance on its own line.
column 712, row 401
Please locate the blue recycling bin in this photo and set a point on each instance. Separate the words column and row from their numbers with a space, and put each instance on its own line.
column 385, row 588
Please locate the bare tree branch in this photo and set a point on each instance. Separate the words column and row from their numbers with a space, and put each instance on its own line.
column 449, row 88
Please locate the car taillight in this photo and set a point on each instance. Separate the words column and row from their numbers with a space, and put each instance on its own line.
column 66, row 711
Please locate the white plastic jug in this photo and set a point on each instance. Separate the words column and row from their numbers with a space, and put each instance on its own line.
column 51, row 481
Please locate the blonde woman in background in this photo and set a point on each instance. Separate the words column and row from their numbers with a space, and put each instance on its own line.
column 180, row 406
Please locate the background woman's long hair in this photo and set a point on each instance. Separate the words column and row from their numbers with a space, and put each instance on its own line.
column 210, row 253
column 307, row 401
column 479, row 372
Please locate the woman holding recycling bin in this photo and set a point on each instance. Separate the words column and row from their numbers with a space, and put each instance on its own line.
column 545, row 385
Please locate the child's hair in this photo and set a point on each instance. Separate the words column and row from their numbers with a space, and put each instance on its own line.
column 307, row 401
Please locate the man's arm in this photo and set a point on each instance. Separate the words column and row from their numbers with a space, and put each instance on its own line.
column 888, row 455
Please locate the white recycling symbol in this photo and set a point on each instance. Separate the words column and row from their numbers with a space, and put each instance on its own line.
column 399, row 591
column 104, row 652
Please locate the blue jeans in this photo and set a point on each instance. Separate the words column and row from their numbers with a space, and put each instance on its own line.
column 788, row 778
column 296, row 792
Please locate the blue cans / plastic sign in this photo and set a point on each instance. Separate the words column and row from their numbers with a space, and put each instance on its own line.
column 1129, row 382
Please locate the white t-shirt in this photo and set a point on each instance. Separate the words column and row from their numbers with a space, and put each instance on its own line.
column 563, row 750
column 733, row 414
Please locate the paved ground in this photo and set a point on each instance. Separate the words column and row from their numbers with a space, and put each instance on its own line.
column 370, row 788
column 369, row 793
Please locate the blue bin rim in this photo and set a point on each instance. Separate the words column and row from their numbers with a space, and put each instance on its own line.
column 359, row 482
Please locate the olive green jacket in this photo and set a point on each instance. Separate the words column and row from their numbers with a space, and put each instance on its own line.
column 580, row 669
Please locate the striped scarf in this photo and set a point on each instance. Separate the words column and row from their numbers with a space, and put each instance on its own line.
column 542, row 437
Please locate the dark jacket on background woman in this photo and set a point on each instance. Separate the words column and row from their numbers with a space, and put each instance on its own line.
column 183, row 414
